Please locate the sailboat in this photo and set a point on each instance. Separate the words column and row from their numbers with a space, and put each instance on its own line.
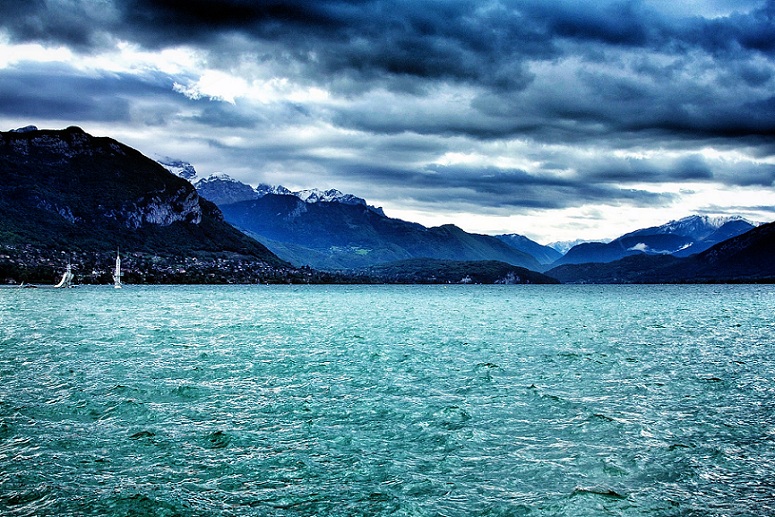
column 117, row 272
column 67, row 278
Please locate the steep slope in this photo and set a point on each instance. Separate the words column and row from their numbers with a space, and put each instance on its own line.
column 66, row 194
column 543, row 254
column 178, row 167
column 744, row 258
column 222, row 190
column 725, row 232
column 333, row 235
column 747, row 257
column 680, row 238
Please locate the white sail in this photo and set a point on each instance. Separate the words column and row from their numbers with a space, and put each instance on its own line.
column 117, row 273
column 67, row 278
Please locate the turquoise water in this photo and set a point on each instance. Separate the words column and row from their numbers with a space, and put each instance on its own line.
column 388, row 400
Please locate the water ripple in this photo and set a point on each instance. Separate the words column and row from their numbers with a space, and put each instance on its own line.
column 377, row 400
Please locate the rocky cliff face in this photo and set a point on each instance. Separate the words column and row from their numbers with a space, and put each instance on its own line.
column 222, row 189
column 179, row 168
column 113, row 181
column 162, row 210
column 68, row 190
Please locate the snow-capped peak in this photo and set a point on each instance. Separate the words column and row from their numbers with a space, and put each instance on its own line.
column 695, row 226
column 310, row 195
column 694, row 222
column 218, row 176
column 328, row 196
column 263, row 189
column 223, row 189
column 178, row 167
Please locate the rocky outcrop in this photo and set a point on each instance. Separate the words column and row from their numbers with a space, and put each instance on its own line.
column 68, row 190
column 163, row 210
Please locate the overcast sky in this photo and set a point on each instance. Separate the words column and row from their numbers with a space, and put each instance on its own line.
column 553, row 119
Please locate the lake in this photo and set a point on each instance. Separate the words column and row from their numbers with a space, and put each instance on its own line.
column 388, row 400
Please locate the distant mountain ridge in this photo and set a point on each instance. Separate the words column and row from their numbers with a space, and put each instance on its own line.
column 564, row 246
column 336, row 235
column 543, row 254
column 703, row 231
column 332, row 230
column 680, row 238
column 222, row 189
column 327, row 238
column 745, row 258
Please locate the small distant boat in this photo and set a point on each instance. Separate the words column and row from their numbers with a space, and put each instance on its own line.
column 117, row 272
column 67, row 278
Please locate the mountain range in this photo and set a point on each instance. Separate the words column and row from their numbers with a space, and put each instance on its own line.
column 680, row 238
column 69, row 197
column 332, row 230
column 328, row 232
column 222, row 189
column 745, row 258
column 692, row 249
column 345, row 236
column 66, row 196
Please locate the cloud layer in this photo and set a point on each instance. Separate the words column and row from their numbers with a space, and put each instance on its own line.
column 545, row 115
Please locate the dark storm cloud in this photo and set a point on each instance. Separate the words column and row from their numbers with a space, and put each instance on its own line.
column 368, row 40
column 27, row 91
column 501, row 189
column 353, row 46
column 692, row 168
column 633, row 23
column 221, row 115
column 80, row 24
column 409, row 81
column 753, row 31
column 516, row 188
column 463, row 39
column 615, row 23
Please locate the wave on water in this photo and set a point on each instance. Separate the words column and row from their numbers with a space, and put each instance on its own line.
column 387, row 400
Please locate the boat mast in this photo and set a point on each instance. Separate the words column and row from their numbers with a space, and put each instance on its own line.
column 117, row 271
